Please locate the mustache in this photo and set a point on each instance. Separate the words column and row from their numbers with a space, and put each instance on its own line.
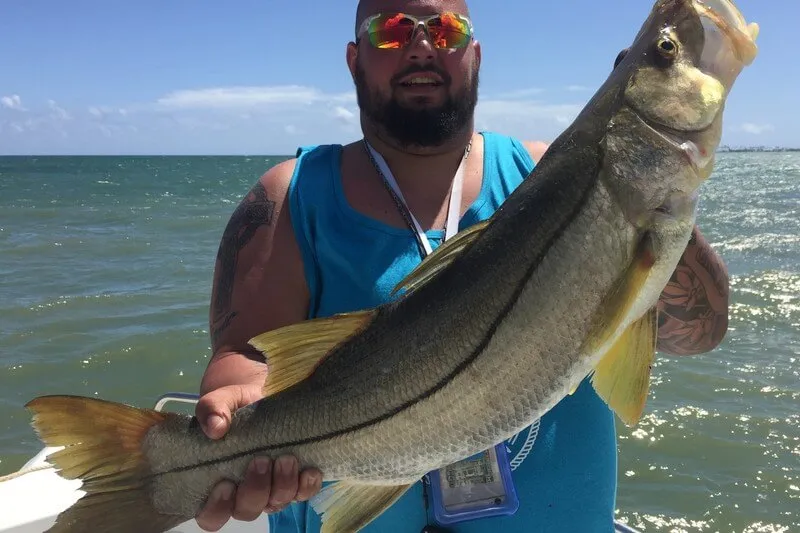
column 425, row 69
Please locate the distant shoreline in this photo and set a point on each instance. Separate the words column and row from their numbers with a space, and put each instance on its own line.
column 725, row 149
column 720, row 150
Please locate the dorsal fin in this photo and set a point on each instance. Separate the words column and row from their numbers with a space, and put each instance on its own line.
column 440, row 258
column 293, row 352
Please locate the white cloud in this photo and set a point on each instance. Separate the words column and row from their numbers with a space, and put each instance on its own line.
column 51, row 118
column 12, row 102
column 756, row 129
column 57, row 113
column 102, row 112
column 498, row 108
column 520, row 93
column 344, row 114
column 304, row 108
column 107, row 131
column 247, row 97
column 527, row 119
column 265, row 119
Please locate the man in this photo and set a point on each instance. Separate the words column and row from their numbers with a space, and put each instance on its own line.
column 322, row 233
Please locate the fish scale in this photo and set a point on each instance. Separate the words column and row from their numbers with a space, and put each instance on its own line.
column 502, row 390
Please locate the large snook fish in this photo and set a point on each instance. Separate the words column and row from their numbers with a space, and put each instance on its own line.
column 488, row 334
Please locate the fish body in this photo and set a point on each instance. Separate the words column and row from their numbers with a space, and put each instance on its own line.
column 488, row 334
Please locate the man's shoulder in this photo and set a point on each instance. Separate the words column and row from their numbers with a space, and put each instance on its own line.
column 311, row 161
column 277, row 177
column 535, row 149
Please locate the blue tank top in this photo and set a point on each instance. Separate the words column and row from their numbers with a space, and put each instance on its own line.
column 564, row 465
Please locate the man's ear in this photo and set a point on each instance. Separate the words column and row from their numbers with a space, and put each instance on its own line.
column 351, row 55
column 477, row 47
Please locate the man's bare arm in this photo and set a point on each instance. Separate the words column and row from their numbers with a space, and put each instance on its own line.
column 693, row 309
column 259, row 285
column 258, row 281
column 255, row 211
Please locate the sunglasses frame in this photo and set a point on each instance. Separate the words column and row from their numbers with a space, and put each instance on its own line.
column 418, row 21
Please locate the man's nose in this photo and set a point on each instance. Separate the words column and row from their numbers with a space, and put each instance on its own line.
column 421, row 48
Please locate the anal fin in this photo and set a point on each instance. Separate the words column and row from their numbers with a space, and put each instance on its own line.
column 622, row 377
column 293, row 352
column 347, row 507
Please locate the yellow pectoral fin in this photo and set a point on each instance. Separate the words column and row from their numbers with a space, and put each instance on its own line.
column 293, row 352
column 619, row 301
column 622, row 377
column 440, row 258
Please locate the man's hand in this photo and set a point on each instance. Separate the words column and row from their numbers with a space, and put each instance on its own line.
column 268, row 486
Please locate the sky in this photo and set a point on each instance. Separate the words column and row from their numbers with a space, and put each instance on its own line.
column 264, row 77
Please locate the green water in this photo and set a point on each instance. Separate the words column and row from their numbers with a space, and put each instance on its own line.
column 105, row 271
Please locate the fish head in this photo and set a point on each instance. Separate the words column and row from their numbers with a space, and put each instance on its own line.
column 669, row 93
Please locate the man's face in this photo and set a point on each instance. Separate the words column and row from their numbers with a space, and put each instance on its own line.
column 420, row 95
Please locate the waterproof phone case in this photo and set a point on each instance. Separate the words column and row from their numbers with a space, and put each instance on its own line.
column 476, row 487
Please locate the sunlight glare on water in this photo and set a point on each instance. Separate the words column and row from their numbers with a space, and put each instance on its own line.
column 106, row 272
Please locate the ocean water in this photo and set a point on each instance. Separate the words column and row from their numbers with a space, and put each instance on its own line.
column 105, row 275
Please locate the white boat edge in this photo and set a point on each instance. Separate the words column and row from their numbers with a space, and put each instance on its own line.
column 33, row 497
column 32, row 500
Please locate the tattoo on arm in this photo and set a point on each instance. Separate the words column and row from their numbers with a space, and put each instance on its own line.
column 693, row 309
column 254, row 211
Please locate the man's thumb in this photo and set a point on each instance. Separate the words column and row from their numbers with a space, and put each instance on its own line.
column 215, row 409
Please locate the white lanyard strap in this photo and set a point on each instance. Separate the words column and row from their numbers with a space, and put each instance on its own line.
column 453, row 210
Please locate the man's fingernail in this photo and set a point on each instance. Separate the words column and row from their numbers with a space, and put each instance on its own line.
column 261, row 464
column 284, row 465
column 215, row 423
column 313, row 479
column 224, row 491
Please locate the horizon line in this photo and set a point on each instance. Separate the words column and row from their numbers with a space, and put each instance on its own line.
column 721, row 149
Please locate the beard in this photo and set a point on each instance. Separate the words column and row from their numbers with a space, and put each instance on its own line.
column 409, row 126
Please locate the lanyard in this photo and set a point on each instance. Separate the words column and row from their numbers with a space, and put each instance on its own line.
column 453, row 210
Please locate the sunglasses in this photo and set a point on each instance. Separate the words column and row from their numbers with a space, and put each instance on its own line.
column 397, row 30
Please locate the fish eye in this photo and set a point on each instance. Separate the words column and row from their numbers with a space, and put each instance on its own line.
column 667, row 47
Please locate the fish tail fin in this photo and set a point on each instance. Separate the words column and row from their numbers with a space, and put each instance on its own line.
column 103, row 448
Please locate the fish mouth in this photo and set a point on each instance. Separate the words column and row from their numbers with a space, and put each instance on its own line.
column 697, row 155
column 727, row 17
column 730, row 42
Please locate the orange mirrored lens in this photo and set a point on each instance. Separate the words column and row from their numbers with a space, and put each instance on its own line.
column 449, row 31
column 395, row 30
